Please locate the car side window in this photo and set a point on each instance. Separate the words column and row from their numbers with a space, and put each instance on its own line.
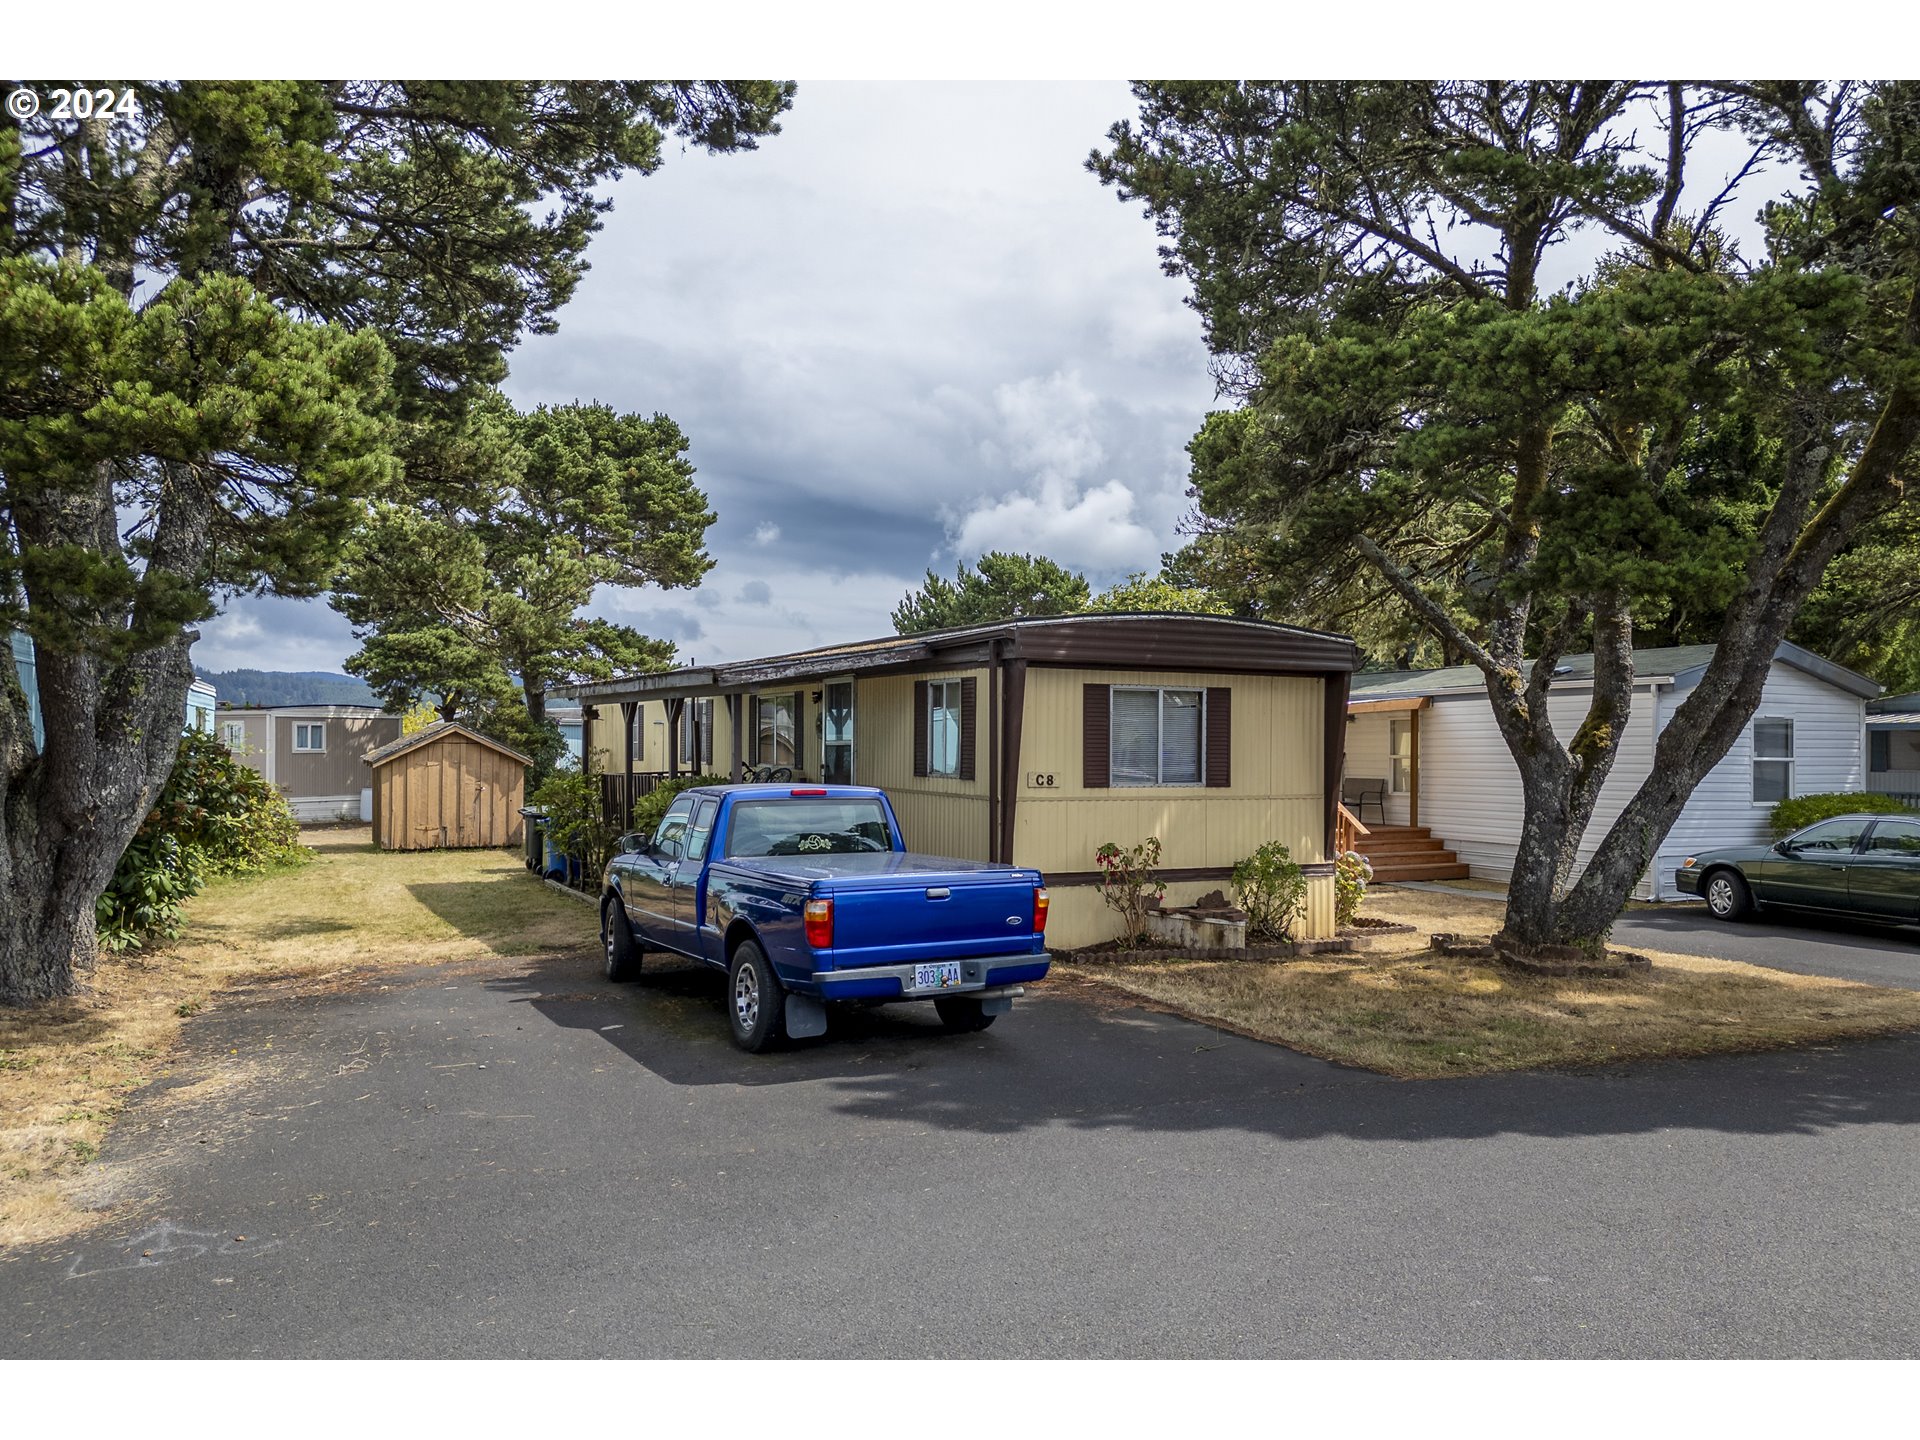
column 670, row 840
column 1896, row 837
column 700, row 829
column 1834, row 837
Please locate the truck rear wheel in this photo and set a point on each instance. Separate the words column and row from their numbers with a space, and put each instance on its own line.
column 962, row 1016
column 756, row 1002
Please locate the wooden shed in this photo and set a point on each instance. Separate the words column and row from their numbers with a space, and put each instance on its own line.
column 447, row 788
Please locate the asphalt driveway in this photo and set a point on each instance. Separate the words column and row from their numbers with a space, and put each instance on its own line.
column 1811, row 945
column 527, row 1161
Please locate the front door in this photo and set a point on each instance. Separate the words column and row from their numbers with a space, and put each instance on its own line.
column 836, row 735
column 1812, row 870
column 1885, row 878
column 650, row 877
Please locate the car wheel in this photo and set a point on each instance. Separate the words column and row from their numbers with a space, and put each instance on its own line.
column 962, row 1016
column 617, row 943
column 1728, row 897
column 756, row 1002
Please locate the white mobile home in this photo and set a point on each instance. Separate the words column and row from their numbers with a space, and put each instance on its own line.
column 1442, row 794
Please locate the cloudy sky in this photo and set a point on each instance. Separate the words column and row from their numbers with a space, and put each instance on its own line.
column 909, row 329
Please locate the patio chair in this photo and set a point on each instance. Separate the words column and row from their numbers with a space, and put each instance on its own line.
column 1357, row 794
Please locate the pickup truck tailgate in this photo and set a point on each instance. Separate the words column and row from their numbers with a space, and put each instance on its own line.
column 898, row 919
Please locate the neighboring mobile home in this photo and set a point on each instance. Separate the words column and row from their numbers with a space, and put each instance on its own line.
column 1451, row 789
column 201, row 697
column 1031, row 741
column 1893, row 746
column 314, row 753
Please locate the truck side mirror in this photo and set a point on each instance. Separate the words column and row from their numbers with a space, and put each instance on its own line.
column 634, row 842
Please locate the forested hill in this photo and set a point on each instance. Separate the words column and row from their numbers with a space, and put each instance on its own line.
column 288, row 687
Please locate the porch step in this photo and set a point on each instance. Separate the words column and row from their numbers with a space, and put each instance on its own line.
column 1384, row 834
column 1443, row 870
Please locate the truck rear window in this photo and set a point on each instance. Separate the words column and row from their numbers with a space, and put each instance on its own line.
column 808, row 827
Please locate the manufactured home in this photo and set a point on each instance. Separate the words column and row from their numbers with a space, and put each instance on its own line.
column 1429, row 775
column 201, row 697
column 1893, row 746
column 1030, row 741
column 314, row 753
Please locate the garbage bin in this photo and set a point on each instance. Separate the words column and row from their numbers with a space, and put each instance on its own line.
column 534, row 825
column 555, row 864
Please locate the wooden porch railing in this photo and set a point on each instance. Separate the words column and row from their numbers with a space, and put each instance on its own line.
column 619, row 793
column 1347, row 830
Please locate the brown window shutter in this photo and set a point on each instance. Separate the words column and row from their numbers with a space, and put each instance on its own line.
column 799, row 732
column 1219, row 737
column 969, row 692
column 1096, row 737
column 920, row 723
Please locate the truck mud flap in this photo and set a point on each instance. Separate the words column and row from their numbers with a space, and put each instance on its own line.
column 806, row 1017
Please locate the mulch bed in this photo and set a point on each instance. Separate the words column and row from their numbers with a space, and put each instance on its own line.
column 1112, row 950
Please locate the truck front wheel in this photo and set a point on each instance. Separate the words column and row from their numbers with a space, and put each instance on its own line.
column 617, row 942
column 962, row 1016
column 756, row 1003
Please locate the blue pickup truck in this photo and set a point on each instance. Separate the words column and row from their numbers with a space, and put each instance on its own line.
column 806, row 894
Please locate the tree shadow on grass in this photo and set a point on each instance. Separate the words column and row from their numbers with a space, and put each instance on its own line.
column 1090, row 1060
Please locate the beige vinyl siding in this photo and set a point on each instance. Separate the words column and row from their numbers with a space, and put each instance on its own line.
column 650, row 754
column 939, row 816
column 1077, row 915
column 1277, row 777
column 339, row 770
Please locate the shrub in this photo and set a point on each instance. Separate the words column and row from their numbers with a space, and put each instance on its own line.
column 215, row 816
column 1129, row 884
column 576, row 820
column 649, row 809
column 1804, row 810
column 1352, row 873
column 1272, row 890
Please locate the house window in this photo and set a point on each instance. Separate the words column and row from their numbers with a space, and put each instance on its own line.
column 836, row 735
column 1156, row 736
column 777, row 729
column 312, row 738
column 233, row 734
column 1880, row 748
column 1400, row 756
column 943, row 728
column 1772, row 761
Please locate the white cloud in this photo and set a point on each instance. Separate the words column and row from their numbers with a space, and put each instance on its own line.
column 765, row 533
column 1094, row 529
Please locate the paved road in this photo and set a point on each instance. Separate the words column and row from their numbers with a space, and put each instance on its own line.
column 531, row 1162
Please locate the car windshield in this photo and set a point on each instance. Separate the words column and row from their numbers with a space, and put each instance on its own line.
column 808, row 826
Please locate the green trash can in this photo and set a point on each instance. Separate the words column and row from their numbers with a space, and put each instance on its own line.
column 535, row 828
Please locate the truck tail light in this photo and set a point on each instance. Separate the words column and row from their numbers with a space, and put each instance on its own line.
column 1039, row 909
column 819, row 922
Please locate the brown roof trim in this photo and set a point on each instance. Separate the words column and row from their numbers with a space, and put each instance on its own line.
column 439, row 730
column 1142, row 641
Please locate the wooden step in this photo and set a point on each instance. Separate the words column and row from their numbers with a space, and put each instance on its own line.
column 1388, row 874
column 1397, row 832
column 1404, row 847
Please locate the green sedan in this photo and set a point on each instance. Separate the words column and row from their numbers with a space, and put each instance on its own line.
column 1865, row 866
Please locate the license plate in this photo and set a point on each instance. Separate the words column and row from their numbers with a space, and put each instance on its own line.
column 943, row 976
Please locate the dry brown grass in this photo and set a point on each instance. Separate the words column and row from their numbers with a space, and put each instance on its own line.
column 67, row 1068
column 1407, row 1012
